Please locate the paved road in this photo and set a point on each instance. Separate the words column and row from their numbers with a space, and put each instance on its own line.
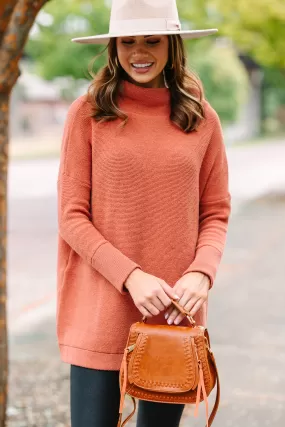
column 255, row 170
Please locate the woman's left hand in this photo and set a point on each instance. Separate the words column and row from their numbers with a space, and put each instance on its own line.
column 192, row 288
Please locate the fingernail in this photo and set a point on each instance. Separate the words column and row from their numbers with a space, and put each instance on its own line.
column 176, row 296
column 166, row 316
column 176, row 322
column 169, row 321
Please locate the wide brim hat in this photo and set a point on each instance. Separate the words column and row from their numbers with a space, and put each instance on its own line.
column 143, row 18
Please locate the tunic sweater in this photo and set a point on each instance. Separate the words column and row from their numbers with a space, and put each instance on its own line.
column 145, row 196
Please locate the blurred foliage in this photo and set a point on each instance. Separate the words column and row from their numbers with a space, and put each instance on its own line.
column 274, row 94
column 256, row 26
column 51, row 47
column 222, row 74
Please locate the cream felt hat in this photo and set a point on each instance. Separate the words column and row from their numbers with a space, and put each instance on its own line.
column 142, row 18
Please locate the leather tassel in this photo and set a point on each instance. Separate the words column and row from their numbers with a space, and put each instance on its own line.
column 198, row 397
column 123, row 391
column 201, row 386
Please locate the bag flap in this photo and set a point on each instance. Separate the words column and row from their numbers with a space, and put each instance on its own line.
column 164, row 360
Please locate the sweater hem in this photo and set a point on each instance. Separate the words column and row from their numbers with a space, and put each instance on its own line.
column 90, row 359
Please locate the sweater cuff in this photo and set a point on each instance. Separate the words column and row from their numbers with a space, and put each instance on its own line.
column 113, row 265
column 207, row 260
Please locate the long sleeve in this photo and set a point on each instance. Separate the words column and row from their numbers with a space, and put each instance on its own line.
column 214, row 205
column 74, row 199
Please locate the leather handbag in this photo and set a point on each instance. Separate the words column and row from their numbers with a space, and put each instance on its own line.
column 168, row 363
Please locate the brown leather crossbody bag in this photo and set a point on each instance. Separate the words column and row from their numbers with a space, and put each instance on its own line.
column 168, row 363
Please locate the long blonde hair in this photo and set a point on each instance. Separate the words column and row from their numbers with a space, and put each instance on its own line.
column 186, row 91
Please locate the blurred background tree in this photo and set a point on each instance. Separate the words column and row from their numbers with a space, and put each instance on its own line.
column 55, row 55
column 255, row 26
column 50, row 46
column 222, row 73
column 259, row 34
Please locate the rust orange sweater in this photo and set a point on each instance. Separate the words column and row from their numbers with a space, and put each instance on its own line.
column 147, row 196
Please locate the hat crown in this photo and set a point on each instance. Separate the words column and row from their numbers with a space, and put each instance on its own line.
column 143, row 18
column 144, row 15
column 144, row 9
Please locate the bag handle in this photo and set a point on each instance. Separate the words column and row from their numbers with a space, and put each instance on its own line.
column 182, row 310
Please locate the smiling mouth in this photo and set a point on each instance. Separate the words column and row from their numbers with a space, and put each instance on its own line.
column 142, row 66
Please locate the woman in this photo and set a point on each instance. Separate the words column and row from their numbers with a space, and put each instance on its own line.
column 143, row 206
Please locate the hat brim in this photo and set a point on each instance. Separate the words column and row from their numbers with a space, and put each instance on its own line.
column 105, row 38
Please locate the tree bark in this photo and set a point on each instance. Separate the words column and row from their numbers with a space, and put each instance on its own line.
column 6, row 10
column 14, row 40
column 16, row 20
column 4, row 112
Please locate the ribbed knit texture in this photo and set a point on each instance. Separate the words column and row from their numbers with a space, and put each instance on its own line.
column 148, row 196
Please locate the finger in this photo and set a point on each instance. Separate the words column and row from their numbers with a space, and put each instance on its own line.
column 196, row 307
column 185, row 297
column 158, row 303
column 186, row 301
column 175, row 312
column 171, row 309
column 168, row 312
column 192, row 309
column 183, row 300
column 169, row 291
column 179, row 318
column 164, row 298
column 152, row 309
column 172, row 316
column 144, row 311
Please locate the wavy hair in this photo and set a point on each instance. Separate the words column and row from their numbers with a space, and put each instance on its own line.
column 186, row 90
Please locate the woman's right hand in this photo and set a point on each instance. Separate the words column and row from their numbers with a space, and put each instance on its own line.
column 150, row 294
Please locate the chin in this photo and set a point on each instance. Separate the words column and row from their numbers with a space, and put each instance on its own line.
column 143, row 79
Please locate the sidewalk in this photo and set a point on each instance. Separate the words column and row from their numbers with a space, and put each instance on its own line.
column 35, row 147
column 246, row 324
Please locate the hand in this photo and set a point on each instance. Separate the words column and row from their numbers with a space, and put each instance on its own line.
column 150, row 294
column 192, row 288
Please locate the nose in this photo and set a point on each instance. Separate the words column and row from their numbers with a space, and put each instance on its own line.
column 140, row 52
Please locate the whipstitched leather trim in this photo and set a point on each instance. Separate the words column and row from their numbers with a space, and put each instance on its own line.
column 139, row 351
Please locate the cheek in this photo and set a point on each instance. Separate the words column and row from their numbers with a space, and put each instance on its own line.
column 123, row 55
column 161, row 52
column 162, row 56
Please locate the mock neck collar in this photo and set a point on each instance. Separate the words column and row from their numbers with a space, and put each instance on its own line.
column 144, row 99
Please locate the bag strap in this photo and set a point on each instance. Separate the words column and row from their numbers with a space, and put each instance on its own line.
column 123, row 391
column 218, row 392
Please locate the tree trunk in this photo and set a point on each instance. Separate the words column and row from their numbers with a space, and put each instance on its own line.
column 4, row 112
column 16, row 20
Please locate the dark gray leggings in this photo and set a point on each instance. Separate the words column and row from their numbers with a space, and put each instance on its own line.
column 95, row 398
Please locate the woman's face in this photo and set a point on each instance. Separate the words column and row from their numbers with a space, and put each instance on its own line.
column 143, row 58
